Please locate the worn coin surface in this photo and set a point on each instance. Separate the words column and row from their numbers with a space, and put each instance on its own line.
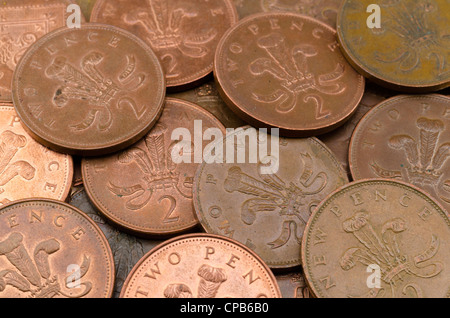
column 208, row 97
column 264, row 206
column 406, row 138
column 184, row 34
column 51, row 249
column 28, row 169
column 410, row 50
column 286, row 71
column 143, row 189
column 22, row 23
column 378, row 238
column 127, row 250
column 201, row 266
column 339, row 140
column 89, row 91
column 323, row 10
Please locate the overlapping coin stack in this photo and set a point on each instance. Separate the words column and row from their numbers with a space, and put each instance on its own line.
column 116, row 178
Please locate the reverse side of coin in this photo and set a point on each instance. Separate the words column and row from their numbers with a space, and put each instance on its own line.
column 266, row 210
column 406, row 138
column 286, row 71
column 127, row 250
column 184, row 34
column 89, row 91
column 22, row 23
column 323, row 10
column 142, row 189
column 49, row 249
column 28, row 169
column 378, row 238
column 409, row 50
column 201, row 266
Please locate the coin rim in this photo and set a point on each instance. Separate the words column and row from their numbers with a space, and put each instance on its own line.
column 108, row 253
column 224, row 239
column 263, row 123
column 91, row 150
column 304, row 251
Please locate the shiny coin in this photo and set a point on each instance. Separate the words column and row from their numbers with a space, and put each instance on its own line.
column 89, row 91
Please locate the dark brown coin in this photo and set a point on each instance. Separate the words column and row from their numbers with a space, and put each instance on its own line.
column 323, row 10
column 266, row 209
column 410, row 50
column 378, row 238
column 184, row 34
column 293, row 285
column 28, row 169
column 201, row 266
column 286, row 71
column 86, row 7
column 127, row 250
column 89, row 91
column 50, row 249
column 22, row 23
column 339, row 140
column 143, row 189
column 406, row 138
column 208, row 97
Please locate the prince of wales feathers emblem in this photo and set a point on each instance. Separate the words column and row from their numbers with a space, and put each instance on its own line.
column 426, row 158
column 157, row 167
column 290, row 68
column 384, row 251
column 272, row 194
column 35, row 278
column 92, row 86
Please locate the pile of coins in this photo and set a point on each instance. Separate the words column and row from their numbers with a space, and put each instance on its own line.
column 116, row 178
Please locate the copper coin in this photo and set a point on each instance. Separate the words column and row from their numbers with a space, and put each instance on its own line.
column 142, row 189
column 410, row 50
column 22, row 23
column 266, row 210
column 339, row 140
column 295, row 77
column 126, row 249
column 50, row 249
column 201, row 266
column 293, row 285
column 28, row 169
column 323, row 10
column 208, row 97
column 89, row 91
column 406, row 138
column 184, row 34
column 378, row 238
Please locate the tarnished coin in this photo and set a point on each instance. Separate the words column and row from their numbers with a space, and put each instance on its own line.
column 208, row 97
column 406, row 138
column 323, row 10
column 286, row 71
column 49, row 249
column 339, row 140
column 378, row 238
column 201, row 266
column 293, row 285
column 22, row 23
column 184, row 34
column 144, row 189
column 28, row 169
column 409, row 51
column 86, row 7
column 127, row 250
column 89, row 91
column 266, row 209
